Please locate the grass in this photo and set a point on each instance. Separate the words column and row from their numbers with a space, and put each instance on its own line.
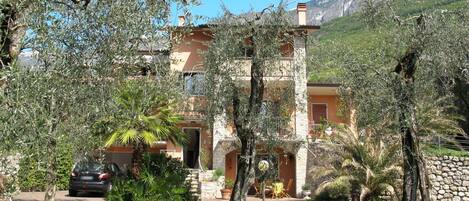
column 434, row 150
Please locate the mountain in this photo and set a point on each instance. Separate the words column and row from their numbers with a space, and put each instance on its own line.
column 322, row 11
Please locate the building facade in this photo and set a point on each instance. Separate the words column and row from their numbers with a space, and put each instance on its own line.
column 215, row 146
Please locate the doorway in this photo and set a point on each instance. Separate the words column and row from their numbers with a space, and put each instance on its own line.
column 192, row 147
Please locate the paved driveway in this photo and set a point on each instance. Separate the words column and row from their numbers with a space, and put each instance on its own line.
column 259, row 199
column 63, row 196
column 60, row 196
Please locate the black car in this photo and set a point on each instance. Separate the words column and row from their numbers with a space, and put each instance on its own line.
column 90, row 176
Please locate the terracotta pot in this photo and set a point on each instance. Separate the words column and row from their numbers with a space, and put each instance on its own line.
column 225, row 193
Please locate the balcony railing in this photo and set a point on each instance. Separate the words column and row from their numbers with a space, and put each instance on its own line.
column 323, row 130
column 275, row 127
column 282, row 68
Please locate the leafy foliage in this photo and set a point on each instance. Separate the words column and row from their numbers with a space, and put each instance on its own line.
column 365, row 163
column 411, row 59
column 338, row 190
column 434, row 150
column 145, row 116
column 250, row 46
column 217, row 173
column 162, row 178
column 83, row 51
column 32, row 172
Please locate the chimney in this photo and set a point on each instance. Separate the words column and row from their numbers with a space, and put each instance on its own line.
column 301, row 12
column 181, row 20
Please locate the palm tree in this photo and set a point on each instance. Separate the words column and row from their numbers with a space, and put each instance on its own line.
column 370, row 166
column 143, row 118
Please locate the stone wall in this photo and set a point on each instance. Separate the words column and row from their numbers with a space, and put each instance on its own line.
column 210, row 189
column 9, row 167
column 449, row 177
column 320, row 155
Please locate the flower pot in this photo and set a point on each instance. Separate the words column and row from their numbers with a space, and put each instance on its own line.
column 225, row 193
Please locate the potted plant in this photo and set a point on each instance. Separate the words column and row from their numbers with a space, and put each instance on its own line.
column 226, row 193
column 306, row 190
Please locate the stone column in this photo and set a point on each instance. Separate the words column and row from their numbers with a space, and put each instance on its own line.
column 301, row 110
column 219, row 132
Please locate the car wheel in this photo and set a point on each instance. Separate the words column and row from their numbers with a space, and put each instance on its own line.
column 72, row 193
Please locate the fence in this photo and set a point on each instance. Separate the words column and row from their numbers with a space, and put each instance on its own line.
column 456, row 143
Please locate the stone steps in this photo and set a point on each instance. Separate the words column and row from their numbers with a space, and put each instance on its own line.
column 193, row 181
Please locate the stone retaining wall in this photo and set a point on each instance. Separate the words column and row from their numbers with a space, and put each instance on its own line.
column 9, row 167
column 210, row 189
column 449, row 177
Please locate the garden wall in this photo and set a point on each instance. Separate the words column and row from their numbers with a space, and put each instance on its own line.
column 210, row 189
column 320, row 155
column 9, row 167
column 449, row 177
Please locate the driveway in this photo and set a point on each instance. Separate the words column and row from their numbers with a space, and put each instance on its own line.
column 259, row 199
column 60, row 196
column 63, row 196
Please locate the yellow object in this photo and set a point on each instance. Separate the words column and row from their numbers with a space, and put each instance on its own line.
column 277, row 190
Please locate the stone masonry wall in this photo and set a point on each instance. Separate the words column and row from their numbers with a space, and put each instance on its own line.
column 449, row 177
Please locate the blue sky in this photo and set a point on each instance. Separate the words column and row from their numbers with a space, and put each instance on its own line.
column 212, row 8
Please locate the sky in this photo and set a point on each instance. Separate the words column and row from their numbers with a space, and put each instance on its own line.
column 212, row 8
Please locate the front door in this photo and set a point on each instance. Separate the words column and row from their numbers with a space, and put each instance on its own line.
column 191, row 149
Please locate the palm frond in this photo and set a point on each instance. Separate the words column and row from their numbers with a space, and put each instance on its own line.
column 148, row 137
column 129, row 136
column 113, row 137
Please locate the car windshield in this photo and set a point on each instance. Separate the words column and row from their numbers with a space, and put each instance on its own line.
column 89, row 166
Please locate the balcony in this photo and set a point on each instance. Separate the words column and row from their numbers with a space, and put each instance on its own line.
column 321, row 131
column 280, row 69
column 275, row 127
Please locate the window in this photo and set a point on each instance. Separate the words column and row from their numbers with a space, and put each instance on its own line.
column 319, row 113
column 194, row 83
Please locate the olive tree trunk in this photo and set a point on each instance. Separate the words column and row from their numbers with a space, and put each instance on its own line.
column 245, row 128
column 51, row 174
column 415, row 177
column 11, row 34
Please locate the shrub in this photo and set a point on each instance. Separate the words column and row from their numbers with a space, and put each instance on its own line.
column 306, row 187
column 229, row 184
column 162, row 178
column 217, row 174
column 335, row 191
column 32, row 173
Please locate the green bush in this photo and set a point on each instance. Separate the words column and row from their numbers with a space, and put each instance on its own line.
column 335, row 191
column 435, row 150
column 32, row 172
column 162, row 179
column 229, row 184
column 217, row 174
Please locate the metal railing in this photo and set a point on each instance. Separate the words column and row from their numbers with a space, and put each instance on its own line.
column 459, row 143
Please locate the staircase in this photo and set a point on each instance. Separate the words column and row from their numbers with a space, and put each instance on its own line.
column 193, row 180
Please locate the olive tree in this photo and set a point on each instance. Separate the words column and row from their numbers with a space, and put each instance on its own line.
column 404, row 76
column 244, row 53
column 84, row 49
